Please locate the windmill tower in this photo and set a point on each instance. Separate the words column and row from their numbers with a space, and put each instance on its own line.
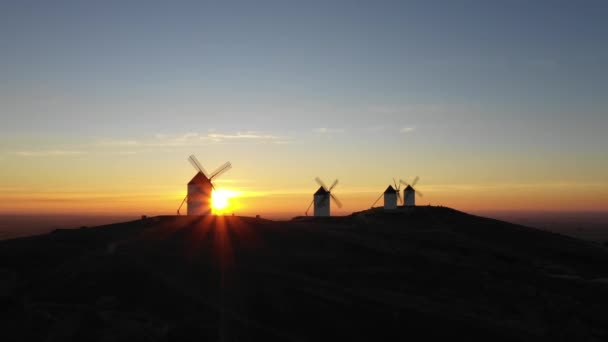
column 391, row 195
column 200, row 188
column 321, row 199
column 409, row 193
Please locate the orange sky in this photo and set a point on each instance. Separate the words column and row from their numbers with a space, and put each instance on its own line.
column 291, row 202
column 277, row 180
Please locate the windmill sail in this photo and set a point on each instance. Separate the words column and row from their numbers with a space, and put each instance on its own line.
column 323, row 197
column 200, row 188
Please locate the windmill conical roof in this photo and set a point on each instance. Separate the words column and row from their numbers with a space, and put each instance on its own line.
column 199, row 178
column 321, row 191
column 409, row 188
column 390, row 190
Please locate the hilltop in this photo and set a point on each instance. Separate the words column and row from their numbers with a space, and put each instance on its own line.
column 426, row 271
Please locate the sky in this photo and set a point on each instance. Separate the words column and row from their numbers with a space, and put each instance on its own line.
column 496, row 105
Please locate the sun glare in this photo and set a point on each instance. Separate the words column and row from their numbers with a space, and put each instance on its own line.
column 221, row 200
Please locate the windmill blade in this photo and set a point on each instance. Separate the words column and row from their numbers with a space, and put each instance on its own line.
column 197, row 165
column 180, row 206
column 399, row 197
column 415, row 181
column 310, row 205
column 220, row 170
column 333, row 185
column 419, row 193
column 338, row 203
column 320, row 182
column 376, row 201
column 395, row 182
column 194, row 164
column 403, row 182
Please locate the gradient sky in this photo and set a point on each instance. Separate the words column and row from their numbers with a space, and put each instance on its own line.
column 495, row 105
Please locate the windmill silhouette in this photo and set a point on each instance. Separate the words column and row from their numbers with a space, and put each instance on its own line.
column 200, row 188
column 391, row 196
column 321, row 199
column 409, row 193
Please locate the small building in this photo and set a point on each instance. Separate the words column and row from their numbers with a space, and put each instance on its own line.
column 390, row 198
column 321, row 202
column 199, row 195
column 409, row 196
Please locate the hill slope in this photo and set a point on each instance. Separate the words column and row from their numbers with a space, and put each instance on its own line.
column 426, row 271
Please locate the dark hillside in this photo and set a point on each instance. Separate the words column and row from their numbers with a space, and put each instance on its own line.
column 423, row 272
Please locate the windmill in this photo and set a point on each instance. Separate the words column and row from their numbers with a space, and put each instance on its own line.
column 409, row 194
column 200, row 188
column 321, row 198
column 391, row 195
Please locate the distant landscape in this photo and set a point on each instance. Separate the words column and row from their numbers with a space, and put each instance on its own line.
column 591, row 226
column 14, row 226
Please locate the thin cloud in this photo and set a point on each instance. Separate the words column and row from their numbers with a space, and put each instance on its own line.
column 425, row 109
column 412, row 109
column 326, row 130
column 47, row 153
column 407, row 130
column 118, row 143
column 185, row 139
column 196, row 139
column 249, row 135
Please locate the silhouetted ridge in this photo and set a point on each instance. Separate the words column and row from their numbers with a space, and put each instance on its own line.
column 416, row 272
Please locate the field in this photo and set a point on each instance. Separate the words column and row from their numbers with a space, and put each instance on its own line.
column 429, row 272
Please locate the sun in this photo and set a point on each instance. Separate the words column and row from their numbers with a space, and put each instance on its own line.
column 220, row 200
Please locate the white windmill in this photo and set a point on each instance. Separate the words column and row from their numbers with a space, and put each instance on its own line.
column 391, row 195
column 321, row 199
column 409, row 193
column 200, row 188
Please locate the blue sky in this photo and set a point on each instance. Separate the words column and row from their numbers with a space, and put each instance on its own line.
column 463, row 81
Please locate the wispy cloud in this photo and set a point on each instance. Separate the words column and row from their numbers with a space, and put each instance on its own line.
column 407, row 109
column 326, row 130
column 424, row 109
column 118, row 143
column 158, row 142
column 249, row 135
column 47, row 153
column 407, row 129
column 197, row 139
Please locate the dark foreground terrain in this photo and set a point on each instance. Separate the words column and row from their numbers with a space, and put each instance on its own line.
column 428, row 272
